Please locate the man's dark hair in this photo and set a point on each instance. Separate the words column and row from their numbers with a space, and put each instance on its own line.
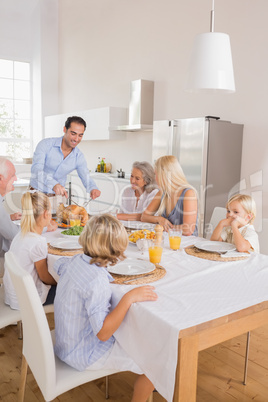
column 75, row 119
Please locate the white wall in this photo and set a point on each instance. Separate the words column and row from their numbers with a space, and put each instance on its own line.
column 29, row 32
column 106, row 44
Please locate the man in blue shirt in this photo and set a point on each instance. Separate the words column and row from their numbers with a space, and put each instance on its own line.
column 55, row 158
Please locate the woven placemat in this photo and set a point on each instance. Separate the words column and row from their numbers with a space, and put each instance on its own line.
column 63, row 253
column 207, row 255
column 153, row 276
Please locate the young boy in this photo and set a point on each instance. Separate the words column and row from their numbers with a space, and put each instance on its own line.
column 84, row 324
column 237, row 227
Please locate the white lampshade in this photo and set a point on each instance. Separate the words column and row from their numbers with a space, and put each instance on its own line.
column 211, row 65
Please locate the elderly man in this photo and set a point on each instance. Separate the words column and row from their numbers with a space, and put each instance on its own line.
column 55, row 158
column 8, row 229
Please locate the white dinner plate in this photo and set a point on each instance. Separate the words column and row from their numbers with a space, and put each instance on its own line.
column 138, row 225
column 66, row 244
column 130, row 266
column 215, row 246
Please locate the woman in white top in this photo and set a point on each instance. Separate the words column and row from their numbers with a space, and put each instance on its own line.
column 143, row 190
column 31, row 248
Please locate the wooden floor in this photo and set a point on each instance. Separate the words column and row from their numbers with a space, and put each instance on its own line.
column 220, row 374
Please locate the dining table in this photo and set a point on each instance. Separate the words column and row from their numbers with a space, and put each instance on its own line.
column 201, row 302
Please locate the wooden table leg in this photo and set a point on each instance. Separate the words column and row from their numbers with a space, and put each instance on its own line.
column 186, row 375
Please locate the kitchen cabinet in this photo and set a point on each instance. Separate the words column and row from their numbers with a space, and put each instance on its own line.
column 98, row 122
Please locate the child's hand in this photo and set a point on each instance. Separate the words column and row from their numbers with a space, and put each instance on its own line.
column 238, row 222
column 143, row 293
column 52, row 226
column 227, row 221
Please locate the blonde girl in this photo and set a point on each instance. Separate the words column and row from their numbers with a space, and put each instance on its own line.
column 176, row 202
column 31, row 248
column 84, row 322
column 237, row 228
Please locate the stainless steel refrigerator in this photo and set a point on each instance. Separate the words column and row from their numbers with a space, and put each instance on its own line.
column 209, row 151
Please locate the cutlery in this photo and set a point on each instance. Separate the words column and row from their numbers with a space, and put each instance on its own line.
column 85, row 203
column 137, row 277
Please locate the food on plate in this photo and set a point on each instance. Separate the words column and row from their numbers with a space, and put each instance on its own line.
column 141, row 234
column 73, row 231
column 66, row 212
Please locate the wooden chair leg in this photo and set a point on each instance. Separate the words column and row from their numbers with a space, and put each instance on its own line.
column 19, row 326
column 151, row 398
column 107, row 387
column 23, row 375
column 246, row 359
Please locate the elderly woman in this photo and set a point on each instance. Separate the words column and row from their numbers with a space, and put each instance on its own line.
column 176, row 202
column 135, row 199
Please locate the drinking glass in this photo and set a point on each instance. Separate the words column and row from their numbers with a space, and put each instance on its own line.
column 155, row 250
column 142, row 245
column 174, row 236
column 74, row 220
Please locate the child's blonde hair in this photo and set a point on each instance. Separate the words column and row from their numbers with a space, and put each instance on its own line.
column 247, row 203
column 170, row 178
column 33, row 205
column 104, row 239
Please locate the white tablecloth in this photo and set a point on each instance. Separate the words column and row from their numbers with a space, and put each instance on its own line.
column 193, row 291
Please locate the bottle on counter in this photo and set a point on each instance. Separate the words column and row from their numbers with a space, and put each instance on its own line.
column 103, row 166
column 98, row 165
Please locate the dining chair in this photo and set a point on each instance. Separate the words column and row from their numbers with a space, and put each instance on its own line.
column 218, row 214
column 53, row 376
column 7, row 315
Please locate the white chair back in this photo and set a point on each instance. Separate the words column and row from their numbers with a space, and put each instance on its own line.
column 7, row 315
column 37, row 343
column 218, row 214
column 263, row 237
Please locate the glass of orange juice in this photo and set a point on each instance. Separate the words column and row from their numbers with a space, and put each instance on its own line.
column 174, row 235
column 75, row 220
column 155, row 250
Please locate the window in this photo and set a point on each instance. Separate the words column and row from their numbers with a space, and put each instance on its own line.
column 15, row 109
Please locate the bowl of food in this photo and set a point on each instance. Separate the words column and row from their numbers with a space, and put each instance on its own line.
column 141, row 234
column 72, row 232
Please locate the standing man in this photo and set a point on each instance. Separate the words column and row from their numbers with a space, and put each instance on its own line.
column 55, row 158
column 8, row 229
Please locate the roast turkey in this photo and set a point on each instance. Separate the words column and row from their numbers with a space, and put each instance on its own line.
column 65, row 212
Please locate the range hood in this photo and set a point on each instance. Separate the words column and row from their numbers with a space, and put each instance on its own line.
column 141, row 107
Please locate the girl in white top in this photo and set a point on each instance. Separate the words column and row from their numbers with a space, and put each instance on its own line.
column 237, row 227
column 31, row 248
column 143, row 190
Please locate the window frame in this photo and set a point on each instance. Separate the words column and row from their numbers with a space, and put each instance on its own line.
column 28, row 140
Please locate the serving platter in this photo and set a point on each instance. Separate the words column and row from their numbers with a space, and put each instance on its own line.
column 215, row 246
column 130, row 266
column 66, row 244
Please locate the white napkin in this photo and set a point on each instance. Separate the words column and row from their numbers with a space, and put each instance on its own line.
column 232, row 254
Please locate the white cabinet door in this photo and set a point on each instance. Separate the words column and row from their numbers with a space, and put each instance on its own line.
column 98, row 122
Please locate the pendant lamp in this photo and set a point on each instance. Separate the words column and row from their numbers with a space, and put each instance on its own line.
column 211, row 65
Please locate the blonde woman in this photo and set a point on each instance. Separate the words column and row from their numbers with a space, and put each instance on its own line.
column 31, row 248
column 84, row 324
column 237, row 227
column 176, row 202
column 139, row 195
